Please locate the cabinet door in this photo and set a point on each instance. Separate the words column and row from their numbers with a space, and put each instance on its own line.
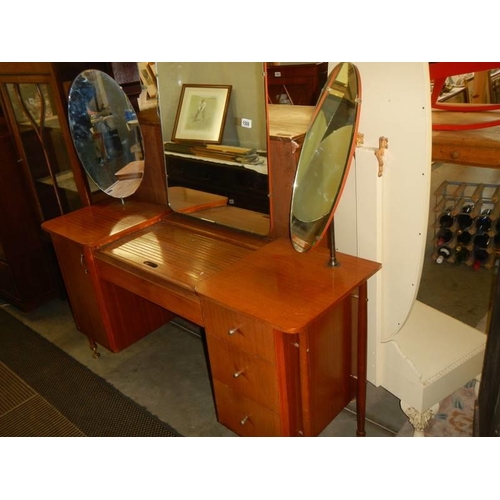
column 106, row 313
column 28, row 271
column 44, row 151
column 77, row 273
column 331, row 365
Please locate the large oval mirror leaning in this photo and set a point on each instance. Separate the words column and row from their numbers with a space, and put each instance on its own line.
column 325, row 157
column 106, row 133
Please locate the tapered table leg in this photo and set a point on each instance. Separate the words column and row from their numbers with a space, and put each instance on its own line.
column 362, row 359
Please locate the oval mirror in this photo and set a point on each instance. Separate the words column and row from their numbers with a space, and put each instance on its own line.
column 106, row 133
column 325, row 157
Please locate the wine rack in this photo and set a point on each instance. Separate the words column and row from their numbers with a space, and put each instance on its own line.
column 467, row 224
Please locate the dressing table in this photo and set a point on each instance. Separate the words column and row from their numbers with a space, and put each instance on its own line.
column 285, row 333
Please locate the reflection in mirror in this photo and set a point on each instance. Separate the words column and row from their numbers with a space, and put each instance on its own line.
column 325, row 157
column 227, row 182
column 106, row 133
column 296, row 83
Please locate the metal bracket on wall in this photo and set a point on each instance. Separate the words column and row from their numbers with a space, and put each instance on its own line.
column 383, row 144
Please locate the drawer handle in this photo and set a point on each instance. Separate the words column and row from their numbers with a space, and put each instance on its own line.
column 237, row 374
column 243, row 421
column 232, row 331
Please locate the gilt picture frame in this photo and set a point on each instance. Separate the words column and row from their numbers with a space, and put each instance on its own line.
column 201, row 114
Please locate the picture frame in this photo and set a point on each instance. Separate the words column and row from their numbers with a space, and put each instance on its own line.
column 201, row 114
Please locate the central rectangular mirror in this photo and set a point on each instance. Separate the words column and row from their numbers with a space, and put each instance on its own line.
column 214, row 126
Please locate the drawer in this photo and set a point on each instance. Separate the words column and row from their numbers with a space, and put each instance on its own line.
column 477, row 156
column 245, row 373
column 244, row 416
column 239, row 330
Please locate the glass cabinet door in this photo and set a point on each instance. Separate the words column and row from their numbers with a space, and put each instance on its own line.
column 44, row 149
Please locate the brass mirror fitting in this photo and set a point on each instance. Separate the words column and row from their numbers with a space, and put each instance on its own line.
column 383, row 144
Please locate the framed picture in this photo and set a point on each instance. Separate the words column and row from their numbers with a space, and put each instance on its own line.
column 201, row 114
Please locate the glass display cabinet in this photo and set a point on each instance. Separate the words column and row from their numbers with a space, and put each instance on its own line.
column 41, row 175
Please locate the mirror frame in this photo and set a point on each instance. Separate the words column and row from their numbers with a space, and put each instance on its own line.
column 324, row 222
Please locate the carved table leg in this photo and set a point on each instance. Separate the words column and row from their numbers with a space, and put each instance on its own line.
column 93, row 348
column 419, row 420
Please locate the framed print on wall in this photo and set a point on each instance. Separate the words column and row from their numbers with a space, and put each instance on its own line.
column 201, row 113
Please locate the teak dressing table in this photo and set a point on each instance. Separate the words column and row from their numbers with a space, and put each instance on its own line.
column 286, row 334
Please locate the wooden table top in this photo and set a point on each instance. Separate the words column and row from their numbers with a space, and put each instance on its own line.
column 240, row 218
column 101, row 223
column 186, row 200
column 285, row 288
column 173, row 254
column 289, row 121
column 133, row 170
column 464, row 118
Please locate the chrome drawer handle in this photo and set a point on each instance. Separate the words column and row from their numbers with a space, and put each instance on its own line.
column 243, row 421
column 232, row 331
column 237, row 374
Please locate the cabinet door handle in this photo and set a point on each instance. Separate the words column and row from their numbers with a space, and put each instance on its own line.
column 237, row 374
column 243, row 421
column 232, row 331
column 82, row 263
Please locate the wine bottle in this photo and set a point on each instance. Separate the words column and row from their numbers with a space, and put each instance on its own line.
column 481, row 240
column 444, row 235
column 461, row 254
column 464, row 219
column 481, row 256
column 444, row 252
column 496, row 238
column 464, row 237
column 483, row 222
column 496, row 242
column 446, row 219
